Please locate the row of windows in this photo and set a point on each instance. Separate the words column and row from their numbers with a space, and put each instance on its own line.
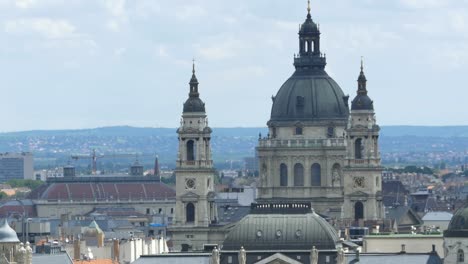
column 315, row 175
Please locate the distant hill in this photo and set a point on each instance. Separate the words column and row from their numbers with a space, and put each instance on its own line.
column 425, row 131
column 398, row 144
column 387, row 131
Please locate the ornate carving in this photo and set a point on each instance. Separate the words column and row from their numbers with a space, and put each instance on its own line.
column 359, row 182
column 190, row 183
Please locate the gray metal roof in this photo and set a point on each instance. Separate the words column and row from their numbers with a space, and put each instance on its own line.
column 437, row 216
column 413, row 258
column 62, row 258
column 281, row 231
column 309, row 96
column 175, row 258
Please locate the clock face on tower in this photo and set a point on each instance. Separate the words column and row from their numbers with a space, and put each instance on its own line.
column 190, row 183
column 359, row 182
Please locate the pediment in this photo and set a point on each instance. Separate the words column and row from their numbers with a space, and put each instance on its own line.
column 278, row 258
column 190, row 196
column 359, row 194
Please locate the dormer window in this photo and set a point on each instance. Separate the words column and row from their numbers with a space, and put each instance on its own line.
column 298, row 131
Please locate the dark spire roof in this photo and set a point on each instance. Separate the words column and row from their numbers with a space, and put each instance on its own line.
column 362, row 101
column 362, row 81
column 194, row 103
column 193, row 83
column 309, row 56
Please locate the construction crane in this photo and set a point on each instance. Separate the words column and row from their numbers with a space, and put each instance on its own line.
column 94, row 157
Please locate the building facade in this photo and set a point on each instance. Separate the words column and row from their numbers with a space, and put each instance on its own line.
column 16, row 166
column 196, row 211
column 308, row 154
column 362, row 170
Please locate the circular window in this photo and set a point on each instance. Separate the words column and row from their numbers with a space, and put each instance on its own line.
column 278, row 233
column 259, row 233
column 298, row 233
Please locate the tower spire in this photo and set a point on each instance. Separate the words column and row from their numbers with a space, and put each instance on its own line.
column 362, row 79
column 193, row 66
column 308, row 7
column 362, row 64
column 193, row 82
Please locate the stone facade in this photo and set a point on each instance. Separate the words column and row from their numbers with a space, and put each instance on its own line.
column 195, row 206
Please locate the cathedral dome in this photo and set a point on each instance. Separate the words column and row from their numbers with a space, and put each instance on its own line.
column 281, row 226
column 458, row 226
column 362, row 102
column 7, row 234
column 309, row 95
column 194, row 104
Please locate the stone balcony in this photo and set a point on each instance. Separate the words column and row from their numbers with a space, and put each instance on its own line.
column 300, row 192
column 194, row 164
column 372, row 162
column 301, row 143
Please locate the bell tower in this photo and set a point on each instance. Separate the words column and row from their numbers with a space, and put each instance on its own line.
column 194, row 172
column 362, row 170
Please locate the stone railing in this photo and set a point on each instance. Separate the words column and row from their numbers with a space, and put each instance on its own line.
column 195, row 163
column 300, row 191
column 302, row 143
column 366, row 162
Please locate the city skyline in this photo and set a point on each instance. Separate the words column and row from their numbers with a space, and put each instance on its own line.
column 75, row 64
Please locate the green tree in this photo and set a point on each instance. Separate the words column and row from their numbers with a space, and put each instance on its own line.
column 31, row 184
column 3, row 195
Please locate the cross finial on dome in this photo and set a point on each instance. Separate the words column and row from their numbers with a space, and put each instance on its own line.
column 308, row 7
column 193, row 65
column 362, row 63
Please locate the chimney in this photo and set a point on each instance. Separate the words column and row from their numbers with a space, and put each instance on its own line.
column 403, row 248
column 77, row 249
column 116, row 250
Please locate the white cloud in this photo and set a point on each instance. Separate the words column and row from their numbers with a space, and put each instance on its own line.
column 161, row 51
column 146, row 8
column 118, row 14
column 25, row 3
column 221, row 48
column 421, row 4
column 115, row 7
column 119, row 51
column 46, row 27
column 190, row 12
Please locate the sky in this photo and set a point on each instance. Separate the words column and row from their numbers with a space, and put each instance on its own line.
column 67, row 64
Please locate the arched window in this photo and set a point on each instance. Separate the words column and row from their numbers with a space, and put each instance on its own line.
column 306, row 46
column 315, row 175
column 190, row 213
column 283, row 175
column 298, row 175
column 298, row 131
column 358, row 211
column 190, row 150
column 358, row 148
column 460, row 256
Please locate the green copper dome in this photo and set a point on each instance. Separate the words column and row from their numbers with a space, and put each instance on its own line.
column 281, row 226
column 309, row 94
column 458, row 226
